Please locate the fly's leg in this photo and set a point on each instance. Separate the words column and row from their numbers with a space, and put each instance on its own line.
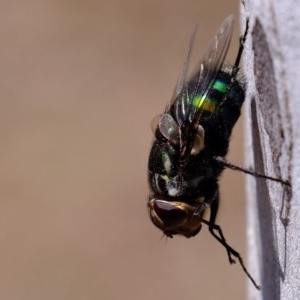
column 217, row 233
column 241, row 48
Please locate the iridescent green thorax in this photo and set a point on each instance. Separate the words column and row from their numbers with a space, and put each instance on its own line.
column 210, row 101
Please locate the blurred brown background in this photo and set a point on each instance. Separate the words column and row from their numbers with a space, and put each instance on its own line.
column 80, row 83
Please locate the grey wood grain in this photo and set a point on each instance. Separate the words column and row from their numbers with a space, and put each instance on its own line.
column 272, row 70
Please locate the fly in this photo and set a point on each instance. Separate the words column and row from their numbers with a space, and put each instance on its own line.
column 191, row 142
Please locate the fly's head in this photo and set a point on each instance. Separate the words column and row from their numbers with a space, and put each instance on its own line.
column 175, row 217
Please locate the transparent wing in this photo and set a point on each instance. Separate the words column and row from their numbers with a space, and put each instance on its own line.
column 199, row 83
column 203, row 77
column 182, row 80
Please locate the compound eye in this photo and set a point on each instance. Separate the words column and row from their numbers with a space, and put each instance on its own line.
column 168, row 213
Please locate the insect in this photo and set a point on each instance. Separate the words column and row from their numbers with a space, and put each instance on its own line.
column 191, row 142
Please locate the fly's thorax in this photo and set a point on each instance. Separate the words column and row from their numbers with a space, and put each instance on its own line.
column 180, row 185
column 174, row 175
column 176, row 217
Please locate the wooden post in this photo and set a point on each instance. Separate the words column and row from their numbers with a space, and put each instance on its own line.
column 272, row 70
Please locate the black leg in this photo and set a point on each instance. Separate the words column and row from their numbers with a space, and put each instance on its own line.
column 217, row 233
column 214, row 208
column 242, row 44
column 223, row 162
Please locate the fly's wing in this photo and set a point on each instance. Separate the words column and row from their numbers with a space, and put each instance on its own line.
column 202, row 79
column 184, row 110
column 182, row 80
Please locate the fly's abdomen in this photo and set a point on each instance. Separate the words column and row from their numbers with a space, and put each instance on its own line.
column 221, row 109
column 233, row 96
column 210, row 102
column 226, row 92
